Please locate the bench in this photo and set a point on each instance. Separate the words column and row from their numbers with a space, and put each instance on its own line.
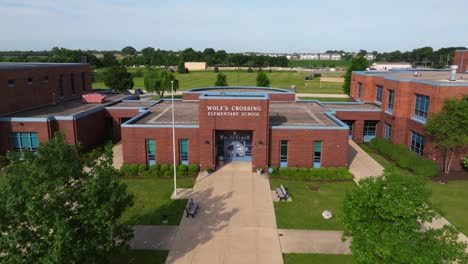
column 191, row 209
column 282, row 193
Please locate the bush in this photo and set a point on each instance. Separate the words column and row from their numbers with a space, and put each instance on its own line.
column 405, row 158
column 313, row 174
column 182, row 170
column 249, row 70
column 216, row 69
column 193, row 169
column 164, row 168
column 142, row 168
column 129, row 170
column 317, row 75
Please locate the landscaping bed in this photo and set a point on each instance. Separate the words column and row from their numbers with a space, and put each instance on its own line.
column 139, row 256
column 312, row 174
column 452, row 176
column 294, row 258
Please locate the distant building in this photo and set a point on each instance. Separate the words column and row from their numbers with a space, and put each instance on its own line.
column 195, row 66
column 335, row 56
column 385, row 66
column 369, row 56
column 461, row 60
column 309, row 56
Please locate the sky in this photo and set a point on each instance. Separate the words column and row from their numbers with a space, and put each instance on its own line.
column 235, row 26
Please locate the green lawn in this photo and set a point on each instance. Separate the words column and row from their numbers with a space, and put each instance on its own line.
column 325, row 99
column 152, row 200
column 140, row 257
column 450, row 200
column 279, row 79
column 305, row 211
column 317, row 259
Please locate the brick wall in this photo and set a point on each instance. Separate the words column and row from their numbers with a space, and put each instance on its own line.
column 461, row 60
column 117, row 115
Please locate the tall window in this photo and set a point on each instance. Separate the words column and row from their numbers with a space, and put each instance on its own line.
column 370, row 130
column 151, row 151
column 61, row 84
column 21, row 141
column 379, row 94
column 421, row 107
column 184, row 152
column 30, row 80
column 388, row 131
column 283, row 153
column 317, row 154
column 417, row 143
column 72, row 84
column 391, row 98
column 11, row 83
column 359, row 91
column 83, row 82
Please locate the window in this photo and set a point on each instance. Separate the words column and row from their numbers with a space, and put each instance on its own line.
column 359, row 91
column 61, row 84
column 30, row 80
column 83, row 82
column 388, row 131
column 317, row 154
column 45, row 79
column 379, row 95
column 417, row 143
column 72, row 84
column 21, row 141
column 184, row 152
column 421, row 107
column 151, row 151
column 370, row 130
column 283, row 153
column 11, row 83
column 350, row 124
column 391, row 98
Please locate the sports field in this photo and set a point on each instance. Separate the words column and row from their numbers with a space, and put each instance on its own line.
column 319, row 63
column 279, row 79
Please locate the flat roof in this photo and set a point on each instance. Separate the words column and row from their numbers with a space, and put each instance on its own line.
column 66, row 108
column 299, row 114
column 185, row 113
column 134, row 103
column 238, row 89
column 350, row 106
column 440, row 77
column 35, row 65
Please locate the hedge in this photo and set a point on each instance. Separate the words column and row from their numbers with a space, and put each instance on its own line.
column 157, row 170
column 405, row 158
column 312, row 174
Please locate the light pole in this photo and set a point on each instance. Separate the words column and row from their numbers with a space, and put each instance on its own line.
column 173, row 139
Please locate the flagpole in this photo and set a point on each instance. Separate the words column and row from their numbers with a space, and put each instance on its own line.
column 173, row 140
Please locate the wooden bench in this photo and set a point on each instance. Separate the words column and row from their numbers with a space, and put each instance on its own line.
column 191, row 209
column 282, row 193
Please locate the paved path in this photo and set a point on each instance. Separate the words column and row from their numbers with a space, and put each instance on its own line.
column 313, row 241
column 236, row 221
column 153, row 237
column 361, row 165
column 117, row 158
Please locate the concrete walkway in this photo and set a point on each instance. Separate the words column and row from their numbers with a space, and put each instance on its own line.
column 361, row 165
column 118, row 155
column 313, row 241
column 236, row 221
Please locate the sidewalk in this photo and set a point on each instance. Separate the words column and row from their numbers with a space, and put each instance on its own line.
column 361, row 165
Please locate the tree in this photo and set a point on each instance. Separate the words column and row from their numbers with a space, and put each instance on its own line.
column 159, row 81
column 262, row 79
column 109, row 60
column 118, row 78
column 383, row 217
column 358, row 63
column 181, row 64
column 448, row 129
column 129, row 51
column 221, row 80
column 52, row 210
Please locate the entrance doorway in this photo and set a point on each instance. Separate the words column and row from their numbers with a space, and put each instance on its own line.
column 233, row 146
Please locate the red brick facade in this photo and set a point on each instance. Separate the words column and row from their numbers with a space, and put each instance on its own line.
column 461, row 60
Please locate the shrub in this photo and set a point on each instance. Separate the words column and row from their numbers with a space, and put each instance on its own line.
column 182, row 170
column 317, row 75
column 216, row 69
column 405, row 158
column 464, row 163
column 249, row 70
column 169, row 172
column 153, row 171
column 193, row 169
column 129, row 170
column 142, row 168
column 164, row 168
column 314, row 173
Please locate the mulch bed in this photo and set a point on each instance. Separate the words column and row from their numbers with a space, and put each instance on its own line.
column 452, row 176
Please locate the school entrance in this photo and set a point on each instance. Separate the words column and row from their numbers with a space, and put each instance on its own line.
column 233, row 146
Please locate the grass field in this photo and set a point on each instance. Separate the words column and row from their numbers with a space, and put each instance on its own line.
column 140, row 257
column 317, row 259
column 305, row 211
column 152, row 200
column 325, row 99
column 279, row 79
column 318, row 63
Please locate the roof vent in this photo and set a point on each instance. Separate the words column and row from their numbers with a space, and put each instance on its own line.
column 453, row 71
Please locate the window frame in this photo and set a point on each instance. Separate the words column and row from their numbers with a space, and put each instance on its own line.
column 150, row 157
column 415, row 140
column 391, row 101
column 387, row 131
column 318, row 154
column 283, row 158
column 19, row 138
column 421, row 107
column 379, row 94
column 184, row 157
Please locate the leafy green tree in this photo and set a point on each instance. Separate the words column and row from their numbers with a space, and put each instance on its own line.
column 358, row 63
column 181, row 64
column 129, row 51
column 221, row 80
column 383, row 217
column 52, row 210
column 118, row 78
column 159, row 81
column 262, row 79
column 448, row 129
column 109, row 60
